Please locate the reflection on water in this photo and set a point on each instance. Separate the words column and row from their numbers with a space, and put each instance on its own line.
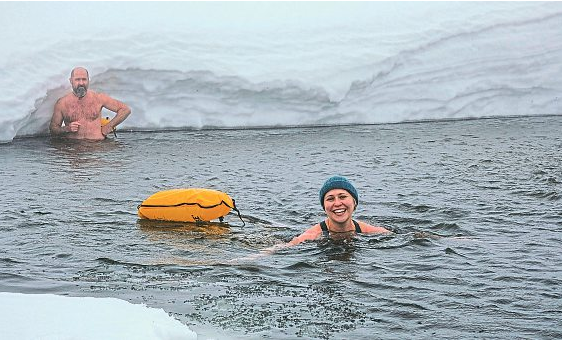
column 157, row 229
column 86, row 153
column 190, row 244
column 337, row 248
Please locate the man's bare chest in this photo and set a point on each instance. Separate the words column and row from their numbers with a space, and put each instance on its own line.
column 85, row 109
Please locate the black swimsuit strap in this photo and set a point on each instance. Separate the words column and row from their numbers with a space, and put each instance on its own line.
column 326, row 232
column 324, row 228
column 357, row 227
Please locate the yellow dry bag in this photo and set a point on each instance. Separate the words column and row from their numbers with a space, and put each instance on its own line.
column 187, row 205
column 105, row 121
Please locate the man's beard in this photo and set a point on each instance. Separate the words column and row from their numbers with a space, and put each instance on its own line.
column 80, row 91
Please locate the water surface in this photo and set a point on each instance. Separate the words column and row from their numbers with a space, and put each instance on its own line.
column 474, row 204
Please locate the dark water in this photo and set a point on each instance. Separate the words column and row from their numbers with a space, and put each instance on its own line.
column 475, row 206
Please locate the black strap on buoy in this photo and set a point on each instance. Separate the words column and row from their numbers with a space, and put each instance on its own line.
column 183, row 203
column 238, row 211
column 114, row 129
column 200, row 206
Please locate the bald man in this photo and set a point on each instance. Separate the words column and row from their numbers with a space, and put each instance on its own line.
column 80, row 110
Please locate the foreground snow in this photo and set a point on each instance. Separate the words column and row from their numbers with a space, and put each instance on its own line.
column 47, row 316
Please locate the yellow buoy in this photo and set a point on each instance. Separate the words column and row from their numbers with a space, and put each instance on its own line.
column 105, row 121
column 187, row 205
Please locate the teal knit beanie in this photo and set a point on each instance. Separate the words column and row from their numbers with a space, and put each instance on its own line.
column 338, row 182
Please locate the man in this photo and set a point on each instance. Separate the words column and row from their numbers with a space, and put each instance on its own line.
column 81, row 110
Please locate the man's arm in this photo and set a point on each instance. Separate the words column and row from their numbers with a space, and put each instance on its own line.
column 55, row 127
column 122, row 111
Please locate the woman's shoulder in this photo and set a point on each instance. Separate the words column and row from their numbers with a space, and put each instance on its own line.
column 371, row 229
column 314, row 231
column 310, row 234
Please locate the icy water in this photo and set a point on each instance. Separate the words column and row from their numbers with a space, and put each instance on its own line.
column 474, row 204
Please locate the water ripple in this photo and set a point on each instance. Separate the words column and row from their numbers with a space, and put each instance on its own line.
column 474, row 211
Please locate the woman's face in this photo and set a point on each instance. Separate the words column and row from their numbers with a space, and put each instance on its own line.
column 339, row 205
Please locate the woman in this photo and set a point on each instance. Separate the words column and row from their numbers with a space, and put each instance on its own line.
column 339, row 200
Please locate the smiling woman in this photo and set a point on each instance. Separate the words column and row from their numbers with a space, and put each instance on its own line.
column 339, row 198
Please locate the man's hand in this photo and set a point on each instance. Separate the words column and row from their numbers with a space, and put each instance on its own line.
column 73, row 127
column 105, row 130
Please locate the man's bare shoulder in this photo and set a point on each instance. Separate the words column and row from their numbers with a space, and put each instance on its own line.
column 64, row 98
column 101, row 96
